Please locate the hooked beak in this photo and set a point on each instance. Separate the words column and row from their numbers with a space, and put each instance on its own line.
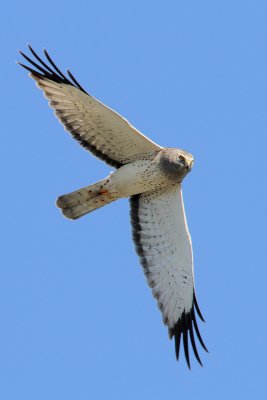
column 190, row 165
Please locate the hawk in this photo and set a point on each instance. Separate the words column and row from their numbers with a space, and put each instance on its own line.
column 150, row 175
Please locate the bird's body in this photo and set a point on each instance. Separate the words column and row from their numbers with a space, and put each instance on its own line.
column 150, row 176
column 154, row 172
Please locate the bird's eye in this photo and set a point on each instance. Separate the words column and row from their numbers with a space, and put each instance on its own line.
column 181, row 158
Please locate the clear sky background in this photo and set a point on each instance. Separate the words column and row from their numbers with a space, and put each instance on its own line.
column 77, row 318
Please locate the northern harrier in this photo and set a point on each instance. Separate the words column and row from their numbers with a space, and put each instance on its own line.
column 150, row 175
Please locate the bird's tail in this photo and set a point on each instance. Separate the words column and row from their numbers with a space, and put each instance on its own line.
column 76, row 204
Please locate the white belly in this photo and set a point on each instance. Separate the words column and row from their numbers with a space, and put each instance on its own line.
column 136, row 177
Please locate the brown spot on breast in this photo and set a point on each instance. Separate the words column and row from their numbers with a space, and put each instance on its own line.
column 103, row 192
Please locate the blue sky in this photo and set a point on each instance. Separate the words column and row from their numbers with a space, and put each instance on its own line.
column 77, row 319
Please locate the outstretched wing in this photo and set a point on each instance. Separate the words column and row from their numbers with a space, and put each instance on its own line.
column 163, row 243
column 96, row 127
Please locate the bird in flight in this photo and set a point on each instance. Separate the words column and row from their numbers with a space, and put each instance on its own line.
column 150, row 175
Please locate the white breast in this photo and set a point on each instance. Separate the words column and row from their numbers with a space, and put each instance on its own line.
column 137, row 177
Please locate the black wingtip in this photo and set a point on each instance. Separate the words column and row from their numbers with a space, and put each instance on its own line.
column 47, row 70
column 185, row 326
column 65, row 79
column 75, row 81
column 32, row 71
column 40, row 60
column 192, row 339
column 197, row 307
column 186, row 348
column 197, row 330
column 177, row 339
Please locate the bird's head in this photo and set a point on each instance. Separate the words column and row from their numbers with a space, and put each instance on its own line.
column 176, row 162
